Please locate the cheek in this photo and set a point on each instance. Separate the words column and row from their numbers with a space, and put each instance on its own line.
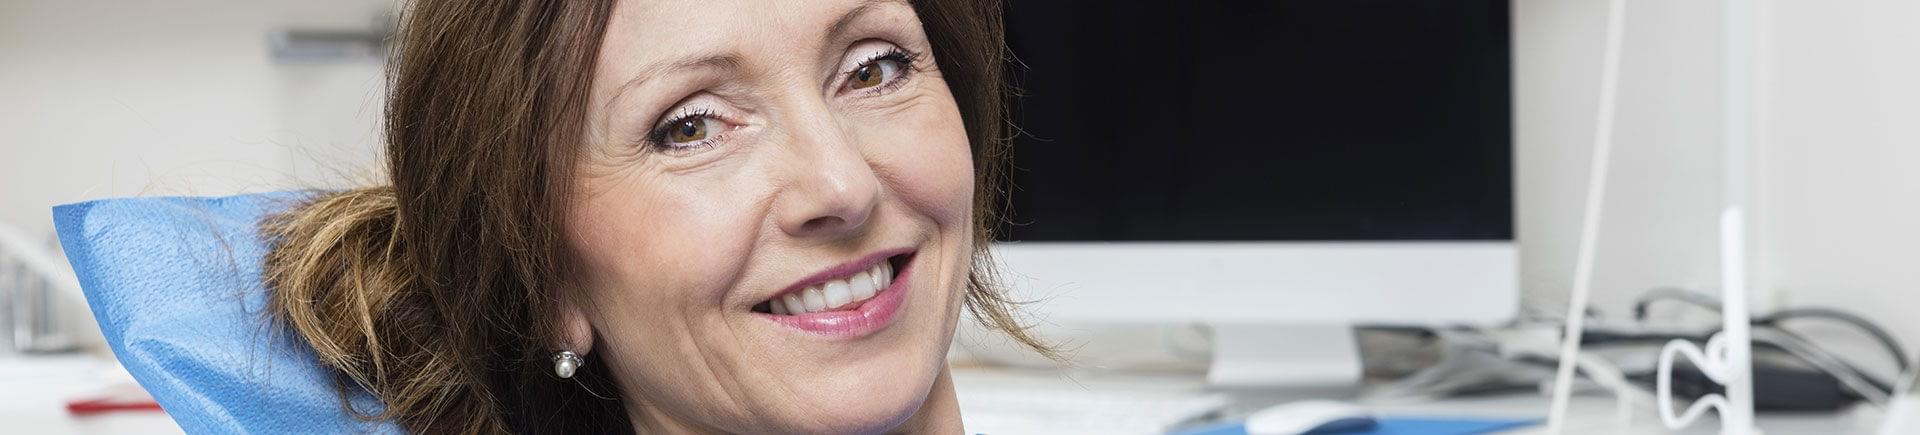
column 656, row 259
column 925, row 159
column 645, row 245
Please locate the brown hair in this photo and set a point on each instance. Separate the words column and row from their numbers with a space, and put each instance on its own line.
column 437, row 294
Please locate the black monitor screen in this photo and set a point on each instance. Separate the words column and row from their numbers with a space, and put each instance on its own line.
column 1287, row 120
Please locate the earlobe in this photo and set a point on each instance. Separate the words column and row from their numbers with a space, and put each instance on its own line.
column 575, row 330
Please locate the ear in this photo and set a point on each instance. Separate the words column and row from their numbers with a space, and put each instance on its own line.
column 575, row 329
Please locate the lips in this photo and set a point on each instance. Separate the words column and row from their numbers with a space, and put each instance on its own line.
column 836, row 294
column 851, row 300
column 837, row 290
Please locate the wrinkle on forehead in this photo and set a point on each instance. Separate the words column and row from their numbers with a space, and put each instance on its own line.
column 692, row 44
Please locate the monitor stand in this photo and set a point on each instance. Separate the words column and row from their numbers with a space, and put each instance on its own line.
column 1317, row 358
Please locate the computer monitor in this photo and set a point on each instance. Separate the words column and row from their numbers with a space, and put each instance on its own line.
column 1300, row 164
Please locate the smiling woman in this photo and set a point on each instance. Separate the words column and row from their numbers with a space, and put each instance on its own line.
column 663, row 216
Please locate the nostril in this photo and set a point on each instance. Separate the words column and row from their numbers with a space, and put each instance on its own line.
column 823, row 223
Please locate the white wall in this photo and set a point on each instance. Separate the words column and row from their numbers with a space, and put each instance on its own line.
column 123, row 98
column 1836, row 175
column 328, row 110
column 1662, row 204
column 1840, row 161
column 118, row 98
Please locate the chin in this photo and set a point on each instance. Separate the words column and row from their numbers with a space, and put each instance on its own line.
column 864, row 363
column 871, row 395
column 873, row 383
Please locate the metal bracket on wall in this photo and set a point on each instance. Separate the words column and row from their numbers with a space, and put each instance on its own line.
column 333, row 44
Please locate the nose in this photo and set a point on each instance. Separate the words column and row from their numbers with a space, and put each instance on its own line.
column 831, row 190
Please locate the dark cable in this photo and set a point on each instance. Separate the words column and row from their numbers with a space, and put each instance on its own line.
column 1690, row 297
column 1709, row 302
column 1892, row 345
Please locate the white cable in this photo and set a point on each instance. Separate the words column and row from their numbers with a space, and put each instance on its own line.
column 1728, row 358
column 1608, row 375
column 1710, row 363
column 1590, row 221
column 1736, row 144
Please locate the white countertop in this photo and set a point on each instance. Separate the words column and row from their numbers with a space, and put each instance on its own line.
column 36, row 390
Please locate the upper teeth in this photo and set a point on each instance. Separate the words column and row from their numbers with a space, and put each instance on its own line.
column 836, row 293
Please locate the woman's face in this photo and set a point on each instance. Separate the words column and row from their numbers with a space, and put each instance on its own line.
column 773, row 214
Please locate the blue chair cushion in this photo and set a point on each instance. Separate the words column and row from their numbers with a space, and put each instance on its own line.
column 175, row 284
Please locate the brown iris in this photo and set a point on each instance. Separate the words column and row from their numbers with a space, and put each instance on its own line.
column 867, row 76
column 688, row 130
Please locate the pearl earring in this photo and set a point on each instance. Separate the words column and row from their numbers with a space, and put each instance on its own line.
column 565, row 363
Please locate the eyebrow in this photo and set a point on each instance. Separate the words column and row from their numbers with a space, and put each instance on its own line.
column 720, row 61
column 846, row 20
column 733, row 60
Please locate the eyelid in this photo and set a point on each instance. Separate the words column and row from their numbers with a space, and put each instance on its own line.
column 654, row 138
column 861, row 52
column 909, row 65
column 867, row 58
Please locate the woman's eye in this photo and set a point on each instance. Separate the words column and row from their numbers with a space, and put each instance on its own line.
column 875, row 73
column 688, row 130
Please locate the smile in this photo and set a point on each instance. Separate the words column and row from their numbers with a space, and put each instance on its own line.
column 853, row 299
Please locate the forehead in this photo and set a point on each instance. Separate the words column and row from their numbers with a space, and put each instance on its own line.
column 644, row 37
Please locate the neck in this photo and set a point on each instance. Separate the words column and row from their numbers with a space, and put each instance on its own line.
column 939, row 414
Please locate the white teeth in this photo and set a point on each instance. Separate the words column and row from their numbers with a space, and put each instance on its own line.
column 815, row 301
column 793, row 303
column 861, row 285
column 835, row 293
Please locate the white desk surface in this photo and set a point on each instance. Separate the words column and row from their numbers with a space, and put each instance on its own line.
column 34, row 391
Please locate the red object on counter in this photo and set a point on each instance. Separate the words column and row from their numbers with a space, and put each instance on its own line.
column 134, row 399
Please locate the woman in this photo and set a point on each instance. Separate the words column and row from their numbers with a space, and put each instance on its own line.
column 665, row 217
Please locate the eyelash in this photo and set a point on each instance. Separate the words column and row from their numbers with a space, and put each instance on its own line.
column 909, row 65
column 658, row 136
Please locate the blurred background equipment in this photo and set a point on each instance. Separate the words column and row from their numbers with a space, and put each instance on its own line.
column 212, row 97
column 41, row 308
column 1275, row 170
